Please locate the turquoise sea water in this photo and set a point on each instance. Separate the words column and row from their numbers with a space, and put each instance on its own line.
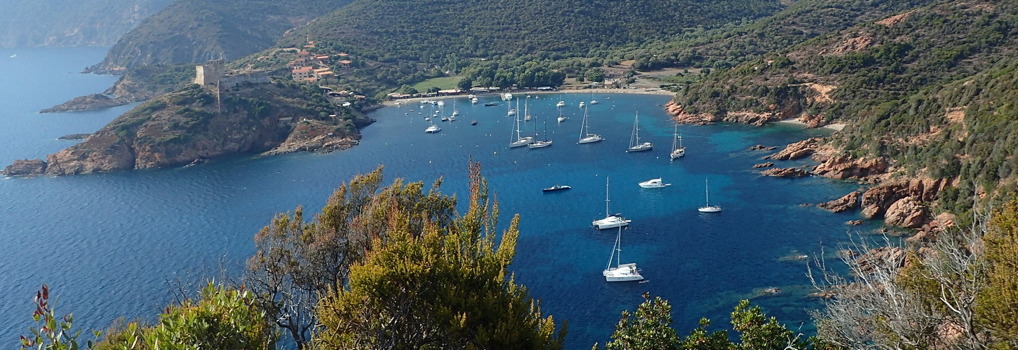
column 108, row 243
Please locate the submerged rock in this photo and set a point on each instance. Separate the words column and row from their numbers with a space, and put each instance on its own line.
column 24, row 167
column 785, row 172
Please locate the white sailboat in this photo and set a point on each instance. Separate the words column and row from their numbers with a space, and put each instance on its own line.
column 707, row 208
column 585, row 135
column 540, row 143
column 610, row 220
column 561, row 117
column 620, row 272
column 634, row 140
column 560, row 104
column 677, row 150
column 518, row 140
column 593, row 100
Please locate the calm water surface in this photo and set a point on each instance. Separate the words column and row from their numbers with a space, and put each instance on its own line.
column 108, row 243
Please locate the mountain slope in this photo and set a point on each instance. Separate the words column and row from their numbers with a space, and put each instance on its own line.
column 189, row 31
column 429, row 30
column 63, row 23
column 913, row 88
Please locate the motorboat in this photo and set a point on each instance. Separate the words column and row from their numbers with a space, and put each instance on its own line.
column 556, row 188
column 654, row 183
column 432, row 129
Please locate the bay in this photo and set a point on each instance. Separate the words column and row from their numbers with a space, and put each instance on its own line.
column 107, row 244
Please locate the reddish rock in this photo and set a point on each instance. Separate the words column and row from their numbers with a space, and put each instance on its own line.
column 812, row 121
column 24, row 167
column 763, row 165
column 798, row 150
column 907, row 212
column 881, row 257
column 785, row 172
column 762, row 148
column 844, row 167
column 854, row 222
column 847, row 202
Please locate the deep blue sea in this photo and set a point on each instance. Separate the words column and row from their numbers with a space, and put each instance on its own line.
column 107, row 244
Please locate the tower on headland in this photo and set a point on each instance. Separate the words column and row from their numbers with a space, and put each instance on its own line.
column 209, row 73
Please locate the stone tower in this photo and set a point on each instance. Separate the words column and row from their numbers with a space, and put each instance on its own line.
column 209, row 73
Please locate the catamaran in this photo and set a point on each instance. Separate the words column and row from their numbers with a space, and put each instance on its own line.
column 610, row 220
column 620, row 272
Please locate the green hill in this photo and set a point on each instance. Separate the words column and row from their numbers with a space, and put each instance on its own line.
column 914, row 88
column 190, row 31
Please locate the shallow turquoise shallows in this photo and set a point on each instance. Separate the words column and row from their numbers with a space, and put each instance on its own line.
column 107, row 244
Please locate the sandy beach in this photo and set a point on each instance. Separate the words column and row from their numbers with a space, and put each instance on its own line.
column 835, row 126
column 642, row 91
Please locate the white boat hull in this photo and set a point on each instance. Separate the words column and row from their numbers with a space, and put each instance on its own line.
column 591, row 139
column 622, row 273
column 709, row 209
column 539, row 144
column 654, row 183
column 611, row 222
column 643, row 147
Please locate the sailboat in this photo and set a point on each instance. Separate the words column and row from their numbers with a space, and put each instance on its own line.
column 707, row 208
column 677, row 151
column 560, row 104
column 593, row 100
column 455, row 111
column 432, row 128
column 542, row 143
column 561, row 117
column 518, row 140
column 610, row 220
column 634, row 140
column 585, row 135
column 620, row 272
column 526, row 110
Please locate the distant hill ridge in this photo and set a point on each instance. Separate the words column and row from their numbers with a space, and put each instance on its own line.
column 189, row 31
column 62, row 23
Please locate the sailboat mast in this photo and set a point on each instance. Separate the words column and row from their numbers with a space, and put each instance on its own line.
column 606, row 197
column 706, row 191
column 675, row 136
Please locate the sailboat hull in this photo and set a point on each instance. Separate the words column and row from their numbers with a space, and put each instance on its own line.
column 611, row 222
column 622, row 273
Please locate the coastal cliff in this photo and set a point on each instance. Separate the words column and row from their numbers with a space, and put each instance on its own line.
column 191, row 126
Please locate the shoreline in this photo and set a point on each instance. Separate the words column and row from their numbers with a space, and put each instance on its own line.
column 834, row 126
column 634, row 91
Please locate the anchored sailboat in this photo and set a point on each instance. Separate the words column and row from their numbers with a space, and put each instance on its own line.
column 634, row 140
column 518, row 140
column 677, row 151
column 707, row 208
column 585, row 135
column 610, row 220
column 620, row 272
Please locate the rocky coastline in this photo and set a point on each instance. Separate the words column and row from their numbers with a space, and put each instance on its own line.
column 899, row 201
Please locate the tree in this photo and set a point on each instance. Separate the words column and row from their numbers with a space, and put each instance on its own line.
column 649, row 328
column 437, row 286
column 53, row 332
column 222, row 318
column 998, row 302
column 465, row 84
column 297, row 262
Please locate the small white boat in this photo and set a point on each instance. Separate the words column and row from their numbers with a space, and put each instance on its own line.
column 654, row 183
column 556, row 188
column 593, row 102
column 582, row 105
column 562, row 118
column 707, row 208
column 507, row 97
column 560, row 104
column 634, row 140
column 620, row 272
column 610, row 220
column 512, row 112
column 432, row 129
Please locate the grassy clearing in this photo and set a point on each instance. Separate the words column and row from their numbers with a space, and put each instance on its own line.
column 443, row 83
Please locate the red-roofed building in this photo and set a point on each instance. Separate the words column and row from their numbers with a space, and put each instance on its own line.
column 302, row 73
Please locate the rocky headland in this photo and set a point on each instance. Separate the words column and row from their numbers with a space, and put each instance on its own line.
column 191, row 125
column 900, row 201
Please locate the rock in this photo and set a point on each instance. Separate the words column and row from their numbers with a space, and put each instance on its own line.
column 785, row 172
column 854, row 222
column 762, row 148
column 86, row 103
column 844, row 167
column 877, row 200
column 763, row 165
column 907, row 212
column 797, row 150
column 25, row 167
column 883, row 257
column 847, row 202
column 679, row 115
column 812, row 121
column 74, row 137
